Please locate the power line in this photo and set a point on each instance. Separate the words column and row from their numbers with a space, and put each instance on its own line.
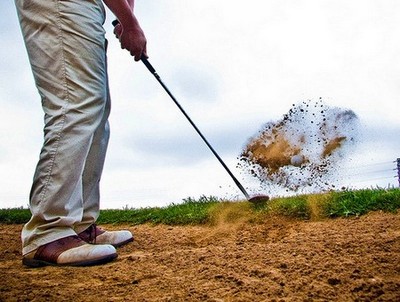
column 374, row 164
column 376, row 178
column 372, row 172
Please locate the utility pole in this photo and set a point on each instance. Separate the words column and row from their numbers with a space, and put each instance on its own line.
column 398, row 170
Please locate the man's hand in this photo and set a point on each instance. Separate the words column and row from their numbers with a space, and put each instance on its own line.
column 117, row 28
column 133, row 40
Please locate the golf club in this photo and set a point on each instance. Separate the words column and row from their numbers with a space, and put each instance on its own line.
column 255, row 199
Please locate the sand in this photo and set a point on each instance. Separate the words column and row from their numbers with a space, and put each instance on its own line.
column 349, row 259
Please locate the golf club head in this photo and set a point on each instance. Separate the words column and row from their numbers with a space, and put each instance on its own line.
column 258, row 199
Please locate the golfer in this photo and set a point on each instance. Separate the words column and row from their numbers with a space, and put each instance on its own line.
column 66, row 46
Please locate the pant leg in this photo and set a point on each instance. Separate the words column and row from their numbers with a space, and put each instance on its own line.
column 65, row 44
column 93, row 171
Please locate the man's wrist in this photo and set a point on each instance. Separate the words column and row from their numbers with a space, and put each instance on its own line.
column 128, row 23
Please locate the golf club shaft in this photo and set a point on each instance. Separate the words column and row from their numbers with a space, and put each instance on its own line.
column 155, row 74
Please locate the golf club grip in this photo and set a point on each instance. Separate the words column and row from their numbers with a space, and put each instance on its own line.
column 115, row 22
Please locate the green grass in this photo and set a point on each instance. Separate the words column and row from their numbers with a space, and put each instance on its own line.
column 211, row 210
column 190, row 211
column 360, row 202
column 14, row 215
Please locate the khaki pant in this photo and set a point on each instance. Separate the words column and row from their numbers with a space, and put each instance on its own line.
column 65, row 41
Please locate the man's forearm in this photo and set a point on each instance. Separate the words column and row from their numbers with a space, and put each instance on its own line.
column 123, row 10
column 131, row 4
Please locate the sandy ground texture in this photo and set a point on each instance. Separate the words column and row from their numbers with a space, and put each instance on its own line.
column 354, row 259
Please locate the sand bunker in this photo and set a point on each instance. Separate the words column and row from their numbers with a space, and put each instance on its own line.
column 302, row 151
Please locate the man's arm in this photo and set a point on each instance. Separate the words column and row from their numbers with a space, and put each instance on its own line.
column 131, row 4
column 131, row 35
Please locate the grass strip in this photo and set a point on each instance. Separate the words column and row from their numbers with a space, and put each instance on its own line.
column 211, row 209
column 191, row 211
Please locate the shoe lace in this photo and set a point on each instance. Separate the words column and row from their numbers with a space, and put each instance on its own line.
column 92, row 235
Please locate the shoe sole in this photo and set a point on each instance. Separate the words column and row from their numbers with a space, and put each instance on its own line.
column 41, row 263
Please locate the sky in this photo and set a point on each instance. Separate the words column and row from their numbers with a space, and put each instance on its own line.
column 233, row 66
